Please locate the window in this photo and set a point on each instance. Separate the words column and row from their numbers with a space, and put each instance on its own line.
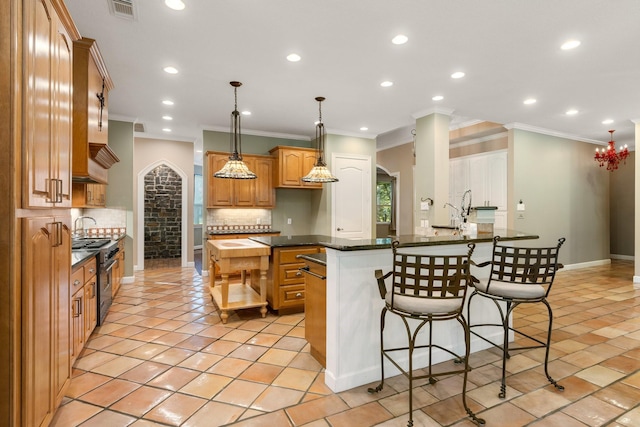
column 197, row 199
column 383, row 202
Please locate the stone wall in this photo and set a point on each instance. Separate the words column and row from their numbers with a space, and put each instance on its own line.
column 162, row 213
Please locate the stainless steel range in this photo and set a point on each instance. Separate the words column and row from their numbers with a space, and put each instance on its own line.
column 107, row 251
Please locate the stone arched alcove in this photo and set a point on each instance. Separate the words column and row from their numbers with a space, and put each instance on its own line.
column 163, row 189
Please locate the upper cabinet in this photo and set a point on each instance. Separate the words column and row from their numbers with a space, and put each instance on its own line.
column 48, row 65
column 293, row 163
column 242, row 193
column 92, row 156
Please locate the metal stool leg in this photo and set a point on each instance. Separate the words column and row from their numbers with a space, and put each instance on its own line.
column 382, row 323
column 546, row 355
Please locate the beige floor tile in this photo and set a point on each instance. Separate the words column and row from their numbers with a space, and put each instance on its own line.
column 221, row 347
column 316, row 409
column 144, row 372
column 174, row 378
column 141, row 401
column 261, row 372
column 173, row 356
column 274, row 398
column 541, row 402
column 600, row 375
column 277, row 357
column 297, row 379
column 214, row 414
column 206, row 385
column 116, row 367
column 229, row 367
column 84, row 383
column 593, row 411
column 362, row 416
column 74, row 413
column 109, row 418
column 110, row 392
column 240, row 392
column 176, row 409
column 147, row 351
column 200, row 361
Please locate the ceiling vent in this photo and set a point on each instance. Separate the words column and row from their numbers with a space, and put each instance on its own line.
column 138, row 127
column 122, row 8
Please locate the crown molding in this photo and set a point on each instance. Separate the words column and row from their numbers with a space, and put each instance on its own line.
column 120, row 118
column 146, row 135
column 257, row 133
column 543, row 131
column 433, row 110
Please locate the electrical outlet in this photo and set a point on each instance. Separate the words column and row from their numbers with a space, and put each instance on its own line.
column 289, row 221
column 258, row 221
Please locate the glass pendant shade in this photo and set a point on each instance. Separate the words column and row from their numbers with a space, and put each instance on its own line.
column 320, row 172
column 235, row 168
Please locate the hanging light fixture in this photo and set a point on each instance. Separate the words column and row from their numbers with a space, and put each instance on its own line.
column 235, row 167
column 320, row 172
column 609, row 156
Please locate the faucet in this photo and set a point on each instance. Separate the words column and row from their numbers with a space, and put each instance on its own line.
column 457, row 215
column 82, row 218
column 465, row 209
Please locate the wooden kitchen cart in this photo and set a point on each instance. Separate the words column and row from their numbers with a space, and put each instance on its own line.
column 233, row 255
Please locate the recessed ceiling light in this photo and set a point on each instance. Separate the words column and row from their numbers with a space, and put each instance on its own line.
column 246, row 113
column 457, row 75
column 166, row 130
column 364, row 128
column 572, row 112
column 167, row 117
column 570, row 44
column 607, row 121
column 293, row 57
column 437, row 98
column 400, row 39
column 167, row 102
column 170, row 70
column 198, row 151
column 174, row 4
column 386, row 83
column 529, row 101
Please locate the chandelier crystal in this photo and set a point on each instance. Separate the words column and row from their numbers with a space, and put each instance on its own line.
column 609, row 157
column 235, row 168
column 320, row 172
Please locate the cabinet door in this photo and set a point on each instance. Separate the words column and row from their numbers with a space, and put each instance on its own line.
column 219, row 190
column 37, row 314
column 308, row 160
column 77, row 323
column 243, row 189
column 477, row 181
column 97, row 117
column 291, row 168
column 37, row 102
column 90, row 307
column 497, row 180
column 265, row 194
column 458, row 180
column 62, row 317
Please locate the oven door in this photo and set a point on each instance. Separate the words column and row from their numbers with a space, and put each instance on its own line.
column 105, row 290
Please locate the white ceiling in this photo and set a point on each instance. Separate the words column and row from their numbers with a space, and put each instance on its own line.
column 509, row 50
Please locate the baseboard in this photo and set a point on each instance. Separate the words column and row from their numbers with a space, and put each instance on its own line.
column 127, row 280
column 622, row 257
column 586, row 264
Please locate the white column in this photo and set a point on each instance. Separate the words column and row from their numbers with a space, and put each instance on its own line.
column 636, row 252
column 431, row 173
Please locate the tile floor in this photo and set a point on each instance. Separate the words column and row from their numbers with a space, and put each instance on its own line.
column 164, row 359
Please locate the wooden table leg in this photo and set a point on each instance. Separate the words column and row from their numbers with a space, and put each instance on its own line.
column 263, row 292
column 224, row 292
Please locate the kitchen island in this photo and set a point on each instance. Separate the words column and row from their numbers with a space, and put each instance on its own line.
column 353, row 303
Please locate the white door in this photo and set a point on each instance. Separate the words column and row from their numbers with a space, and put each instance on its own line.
column 351, row 196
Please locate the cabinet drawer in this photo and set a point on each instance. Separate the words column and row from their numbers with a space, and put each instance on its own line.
column 291, row 275
column 288, row 256
column 292, row 295
column 90, row 269
column 77, row 280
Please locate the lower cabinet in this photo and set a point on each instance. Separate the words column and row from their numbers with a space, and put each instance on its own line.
column 315, row 311
column 46, row 266
column 118, row 269
column 84, row 305
column 286, row 289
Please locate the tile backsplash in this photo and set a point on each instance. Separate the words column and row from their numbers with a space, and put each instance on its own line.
column 105, row 218
column 238, row 217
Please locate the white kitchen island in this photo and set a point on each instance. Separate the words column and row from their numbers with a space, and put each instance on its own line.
column 354, row 306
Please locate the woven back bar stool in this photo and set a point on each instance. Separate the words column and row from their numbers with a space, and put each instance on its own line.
column 425, row 289
column 519, row 275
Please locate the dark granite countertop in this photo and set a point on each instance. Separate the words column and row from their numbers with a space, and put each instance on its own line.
column 319, row 258
column 384, row 243
column 80, row 256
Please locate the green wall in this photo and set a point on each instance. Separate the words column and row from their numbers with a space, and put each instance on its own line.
column 120, row 188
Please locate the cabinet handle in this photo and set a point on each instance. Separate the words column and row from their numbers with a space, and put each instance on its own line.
column 299, row 295
column 92, row 270
column 76, row 282
column 89, row 196
column 77, row 307
column 298, row 274
column 59, row 192
column 93, row 290
column 339, row 229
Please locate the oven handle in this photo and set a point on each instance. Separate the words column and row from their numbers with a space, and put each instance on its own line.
column 109, row 266
column 306, row 269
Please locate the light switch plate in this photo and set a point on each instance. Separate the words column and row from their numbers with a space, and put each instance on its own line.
column 424, row 206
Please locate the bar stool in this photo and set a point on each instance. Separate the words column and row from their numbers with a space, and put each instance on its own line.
column 425, row 289
column 519, row 275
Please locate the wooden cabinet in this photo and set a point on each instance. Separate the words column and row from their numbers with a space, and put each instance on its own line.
column 286, row 288
column 83, row 304
column 91, row 85
column 315, row 311
column 243, row 193
column 46, row 363
column 47, row 107
column 89, row 195
column 293, row 163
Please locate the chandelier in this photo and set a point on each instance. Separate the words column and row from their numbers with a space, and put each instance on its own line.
column 235, row 168
column 320, row 172
column 609, row 156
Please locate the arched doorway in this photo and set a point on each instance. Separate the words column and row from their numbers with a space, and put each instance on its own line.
column 164, row 169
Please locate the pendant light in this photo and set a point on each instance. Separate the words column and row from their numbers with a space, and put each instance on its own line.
column 320, row 172
column 235, row 167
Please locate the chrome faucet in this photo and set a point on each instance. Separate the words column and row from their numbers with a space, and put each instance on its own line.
column 454, row 217
column 82, row 218
column 465, row 209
